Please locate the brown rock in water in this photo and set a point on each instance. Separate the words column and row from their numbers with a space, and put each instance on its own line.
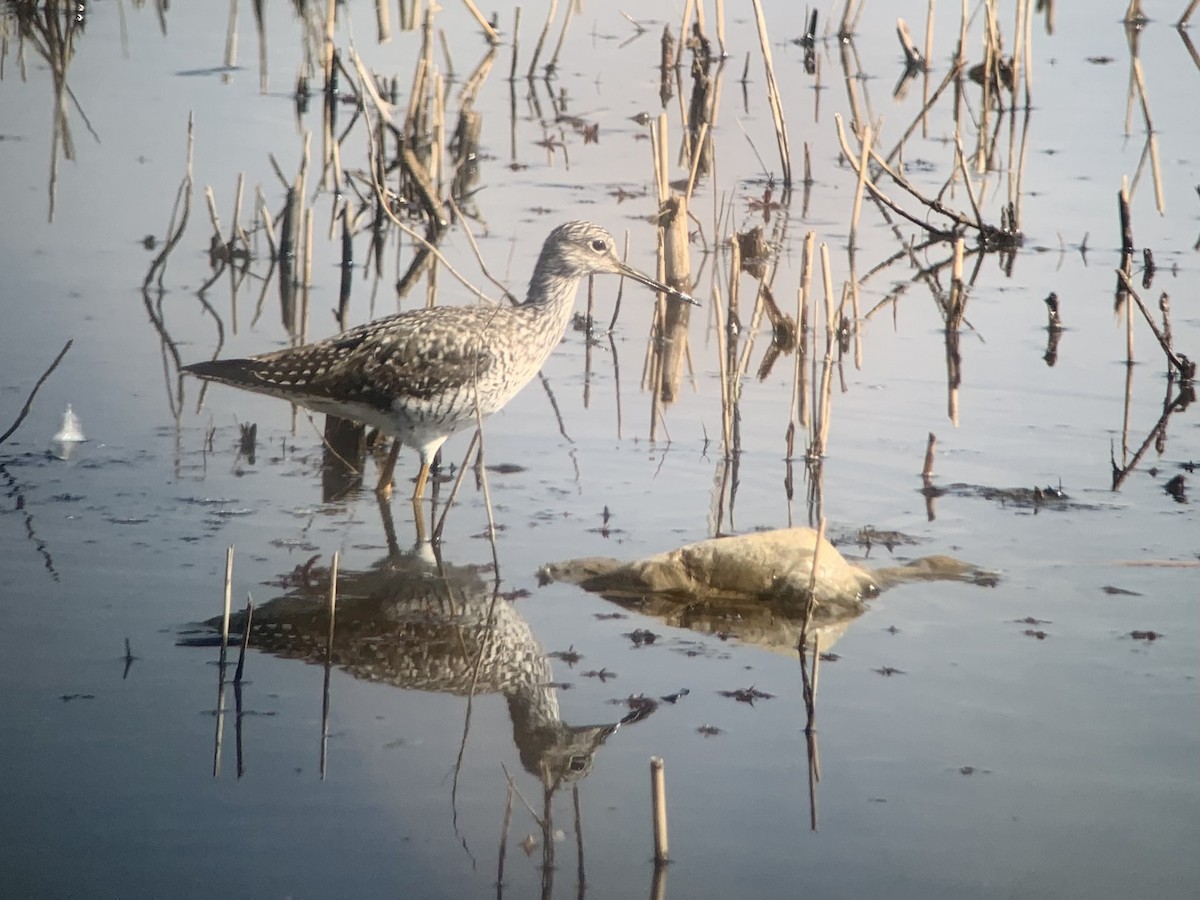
column 756, row 584
column 764, row 565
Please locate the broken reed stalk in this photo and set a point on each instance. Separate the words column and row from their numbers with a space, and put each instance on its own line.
column 508, row 805
column 516, row 44
column 821, row 404
column 1126, row 226
column 912, row 56
column 676, row 314
column 658, row 802
column 333, row 577
column 1185, row 367
column 1018, row 54
column 438, row 136
column 723, row 371
column 810, row 606
column 383, row 23
column 241, row 663
column 228, row 596
column 781, row 136
column 954, row 315
column 541, row 41
column 685, row 28
column 458, row 480
column 862, row 181
column 966, row 176
column 658, row 146
column 562, row 36
column 268, row 223
column 305, row 276
column 33, row 393
column 488, row 31
column 929, row 34
column 235, row 230
column 802, row 330
column 210, row 200
column 1138, row 79
column 697, row 156
column 487, row 493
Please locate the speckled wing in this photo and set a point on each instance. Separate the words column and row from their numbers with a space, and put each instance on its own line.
column 422, row 355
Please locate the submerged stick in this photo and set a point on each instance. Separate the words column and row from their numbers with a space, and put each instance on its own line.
column 241, row 663
column 1186, row 368
column 37, row 387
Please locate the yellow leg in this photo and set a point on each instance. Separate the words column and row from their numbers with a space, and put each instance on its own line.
column 422, row 477
column 419, row 519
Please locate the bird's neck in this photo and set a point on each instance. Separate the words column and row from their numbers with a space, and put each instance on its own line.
column 551, row 291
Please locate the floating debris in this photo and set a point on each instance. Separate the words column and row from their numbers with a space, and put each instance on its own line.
column 642, row 636
column 569, row 656
column 1147, row 636
column 747, row 695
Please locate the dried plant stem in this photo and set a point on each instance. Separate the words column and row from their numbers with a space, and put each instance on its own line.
column 228, row 600
column 956, row 306
column 900, row 180
column 727, row 388
column 1185, row 368
column 488, row 31
column 658, row 793
column 811, row 605
column 862, row 180
column 516, row 44
column 541, row 41
column 685, row 27
column 781, row 136
column 930, row 449
column 562, row 36
column 966, row 176
column 241, row 663
column 697, row 156
column 822, row 403
column 802, row 318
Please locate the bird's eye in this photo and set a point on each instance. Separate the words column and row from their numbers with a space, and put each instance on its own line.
column 599, row 245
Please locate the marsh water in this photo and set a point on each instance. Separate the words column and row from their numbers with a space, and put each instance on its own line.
column 473, row 732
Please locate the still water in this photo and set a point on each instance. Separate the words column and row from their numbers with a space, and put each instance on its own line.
column 1035, row 738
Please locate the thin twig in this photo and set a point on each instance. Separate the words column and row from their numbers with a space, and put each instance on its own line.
column 29, row 400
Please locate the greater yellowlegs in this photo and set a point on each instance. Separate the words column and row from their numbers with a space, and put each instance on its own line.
column 422, row 375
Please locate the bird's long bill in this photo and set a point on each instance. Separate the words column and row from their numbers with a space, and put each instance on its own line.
column 655, row 284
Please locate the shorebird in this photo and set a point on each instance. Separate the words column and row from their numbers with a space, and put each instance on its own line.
column 423, row 375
